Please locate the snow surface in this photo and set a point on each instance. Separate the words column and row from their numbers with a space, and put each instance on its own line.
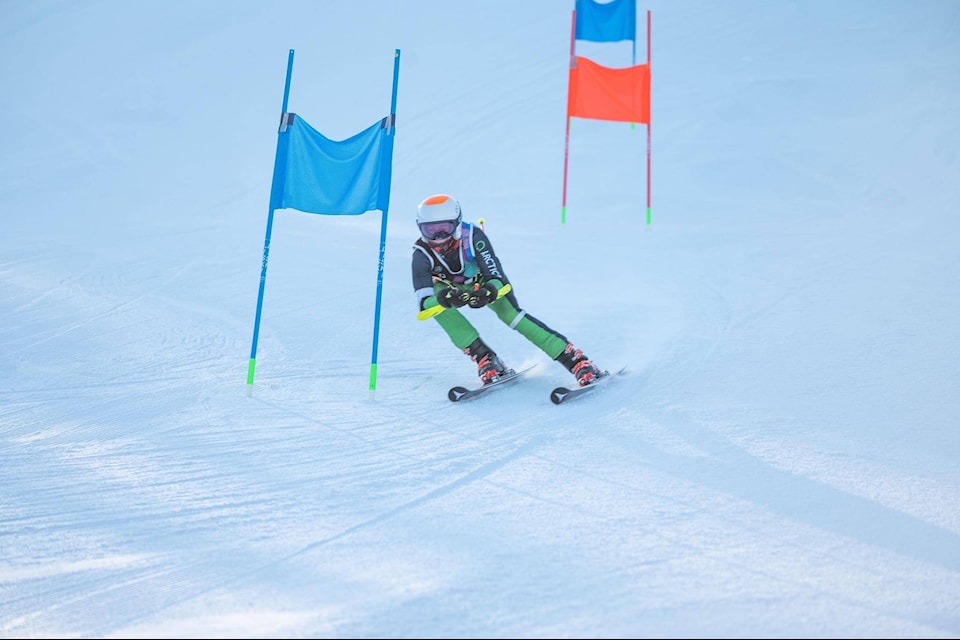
column 780, row 460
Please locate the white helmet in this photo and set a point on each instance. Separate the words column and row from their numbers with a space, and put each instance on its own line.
column 439, row 219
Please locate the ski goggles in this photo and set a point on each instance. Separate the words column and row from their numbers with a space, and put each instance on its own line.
column 438, row 230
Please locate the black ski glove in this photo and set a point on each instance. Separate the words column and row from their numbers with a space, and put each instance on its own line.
column 451, row 297
column 482, row 296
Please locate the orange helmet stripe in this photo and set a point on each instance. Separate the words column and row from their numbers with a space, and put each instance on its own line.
column 437, row 199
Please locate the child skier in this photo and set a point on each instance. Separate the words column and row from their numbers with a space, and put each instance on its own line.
column 454, row 265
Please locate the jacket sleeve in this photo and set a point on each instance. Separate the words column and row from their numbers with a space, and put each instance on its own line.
column 422, row 280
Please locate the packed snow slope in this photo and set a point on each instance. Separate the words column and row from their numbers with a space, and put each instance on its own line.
column 779, row 460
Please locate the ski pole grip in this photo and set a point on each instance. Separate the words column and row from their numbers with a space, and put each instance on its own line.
column 436, row 309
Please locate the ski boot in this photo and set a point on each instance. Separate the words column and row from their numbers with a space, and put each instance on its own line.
column 489, row 366
column 579, row 365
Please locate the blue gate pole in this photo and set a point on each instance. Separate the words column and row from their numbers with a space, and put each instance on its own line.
column 383, row 232
column 266, row 243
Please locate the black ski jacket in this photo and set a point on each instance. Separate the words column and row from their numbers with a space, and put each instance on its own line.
column 472, row 261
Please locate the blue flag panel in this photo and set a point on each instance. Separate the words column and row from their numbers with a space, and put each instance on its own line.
column 315, row 174
column 608, row 22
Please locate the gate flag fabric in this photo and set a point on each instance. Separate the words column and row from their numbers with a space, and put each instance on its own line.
column 605, row 93
column 315, row 174
column 606, row 22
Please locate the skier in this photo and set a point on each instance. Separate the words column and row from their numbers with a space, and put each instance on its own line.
column 454, row 265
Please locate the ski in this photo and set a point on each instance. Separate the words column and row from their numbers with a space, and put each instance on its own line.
column 563, row 394
column 459, row 394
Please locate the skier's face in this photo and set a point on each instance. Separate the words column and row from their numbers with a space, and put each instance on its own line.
column 445, row 246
